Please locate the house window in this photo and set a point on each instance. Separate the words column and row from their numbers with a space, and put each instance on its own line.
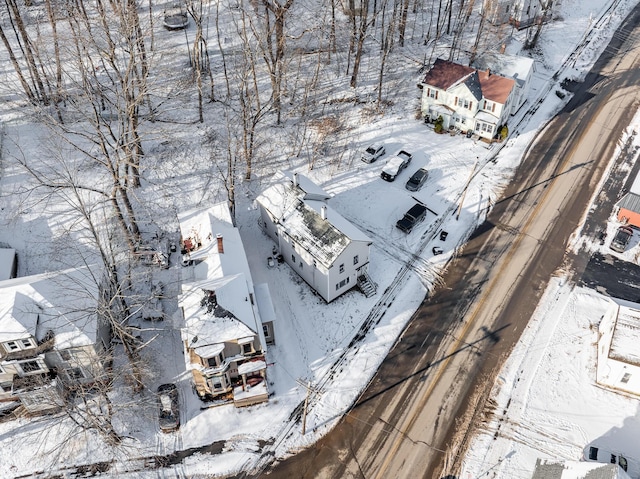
column 625, row 378
column 65, row 355
column 11, row 346
column 432, row 93
column 74, row 374
column 342, row 283
column 247, row 348
column 477, row 126
column 355, row 259
column 593, row 453
column 33, row 366
column 217, row 383
column 293, row 258
column 266, row 330
column 26, row 343
column 342, row 268
column 489, row 128
column 300, row 264
column 614, row 459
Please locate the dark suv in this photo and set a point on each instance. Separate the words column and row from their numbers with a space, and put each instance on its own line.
column 417, row 180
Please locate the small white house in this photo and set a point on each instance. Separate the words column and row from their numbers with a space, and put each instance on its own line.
column 51, row 336
column 520, row 69
column 559, row 469
column 466, row 98
column 618, row 366
column 325, row 249
column 223, row 334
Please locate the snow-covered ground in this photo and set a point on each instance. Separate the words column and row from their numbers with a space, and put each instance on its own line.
column 311, row 335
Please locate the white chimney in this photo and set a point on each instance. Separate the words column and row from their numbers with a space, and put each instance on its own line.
column 323, row 212
column 295, row 179
column 220, row 244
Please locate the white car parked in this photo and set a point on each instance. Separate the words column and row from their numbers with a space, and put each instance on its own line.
column 373, row 152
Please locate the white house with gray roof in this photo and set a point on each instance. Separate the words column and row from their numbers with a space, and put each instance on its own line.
column 324, row 248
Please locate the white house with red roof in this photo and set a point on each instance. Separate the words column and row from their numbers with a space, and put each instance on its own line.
column 223, row 334
column 467, row 99
column 325, row 249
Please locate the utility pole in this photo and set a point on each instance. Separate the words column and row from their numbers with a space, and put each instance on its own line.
column 310, row 390
column 464, row 192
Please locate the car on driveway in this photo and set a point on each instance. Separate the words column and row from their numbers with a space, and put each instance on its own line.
column 168, row 408
column 395, row 165
column 373, row 152
column 621, row 239
column 417, row 180
column 411, row 218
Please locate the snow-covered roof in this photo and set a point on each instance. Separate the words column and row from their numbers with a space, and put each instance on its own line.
column 224, row 271
column 626, row 336
column 251, row 367
column 7, row 260
column 486, row 116
column 64, row 302
column 577, row 470
column 265, row 305
column 316, row 227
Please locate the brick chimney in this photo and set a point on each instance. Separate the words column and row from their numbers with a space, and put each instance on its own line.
column 220, row 244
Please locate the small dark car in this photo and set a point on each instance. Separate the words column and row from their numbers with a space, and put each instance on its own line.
column 621, row 239
column 417, row 180
column 169, row 412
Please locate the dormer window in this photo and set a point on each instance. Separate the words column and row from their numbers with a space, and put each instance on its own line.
column 11, row 346
column 247, row 349
column 17, row 345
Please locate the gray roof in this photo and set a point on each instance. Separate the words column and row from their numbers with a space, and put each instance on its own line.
column 630, row 202
column 473, row 84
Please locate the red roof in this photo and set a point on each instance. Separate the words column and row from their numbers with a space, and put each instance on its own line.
column 494, row 87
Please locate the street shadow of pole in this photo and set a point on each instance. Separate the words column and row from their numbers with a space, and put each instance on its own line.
column 492, row 336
